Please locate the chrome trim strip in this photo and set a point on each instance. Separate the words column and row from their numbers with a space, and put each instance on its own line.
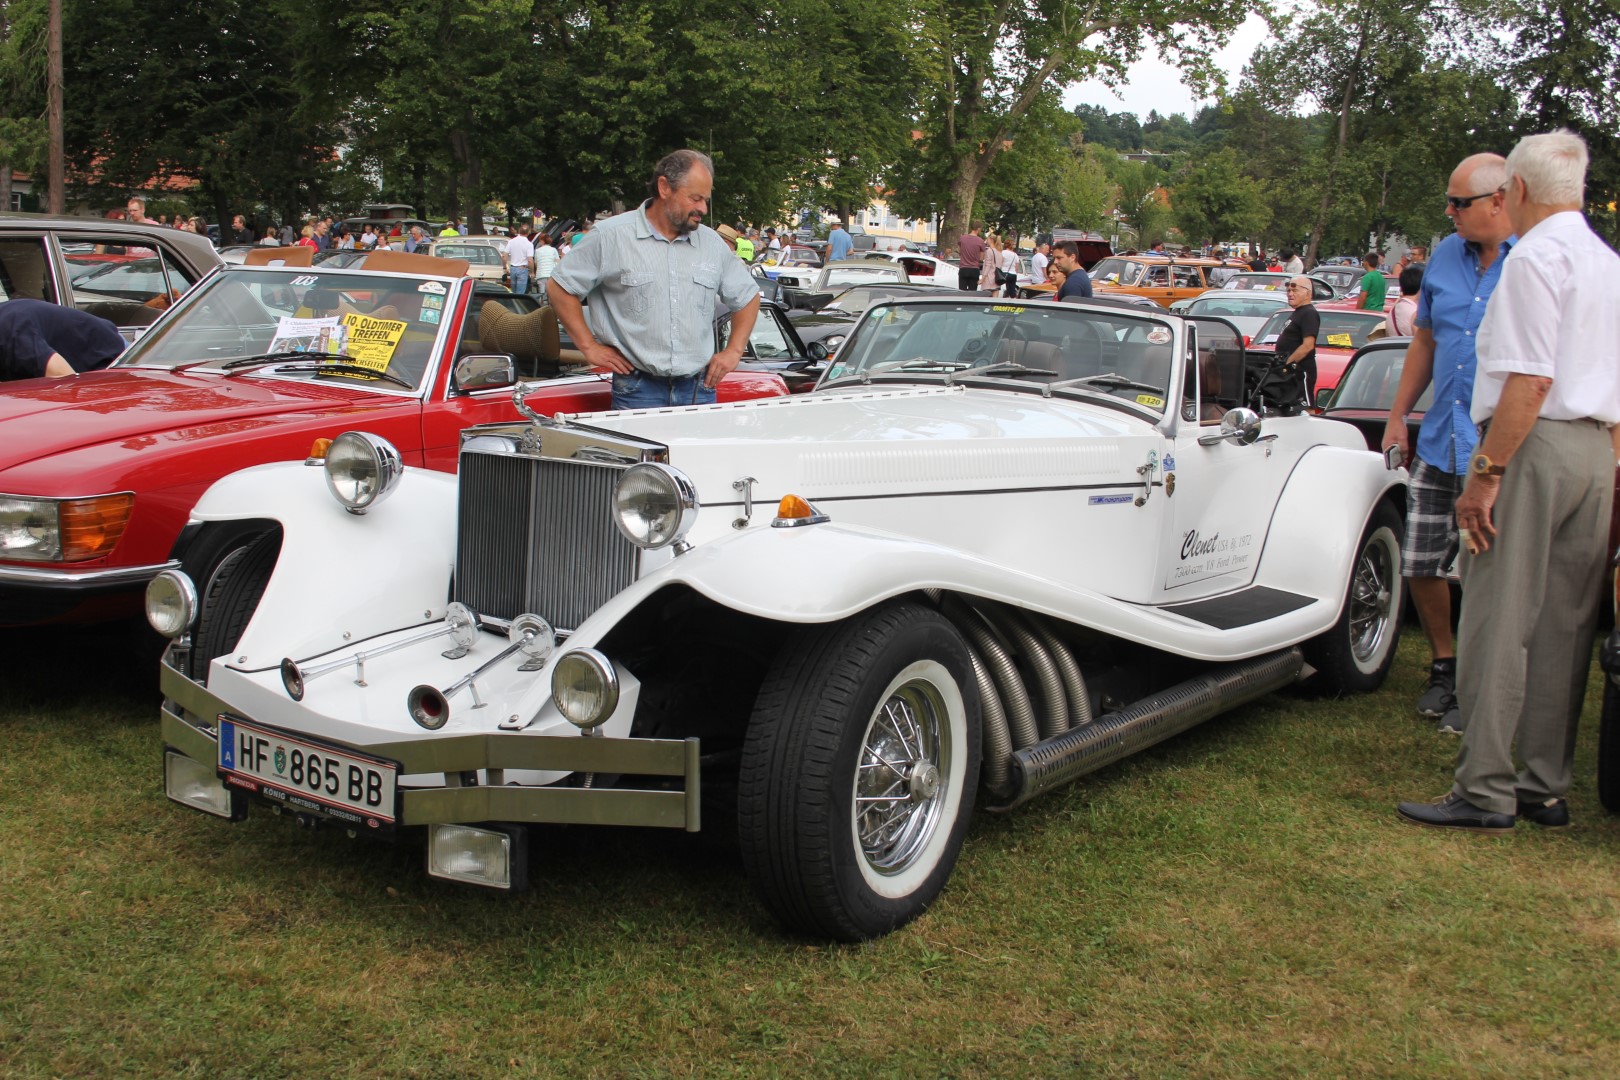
column 132, row 574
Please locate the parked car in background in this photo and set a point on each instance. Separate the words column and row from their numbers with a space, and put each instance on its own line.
column 798, row 261
column 99, row 473
column 124, row 273
column 482, row 254
column 835, row 276
column 1346, row 283
column 1003, row 544
column 830, row 323
column 1342, row 332
column 1366, row 392
column 1163, row 279
column 923, row 269
column 1264, row 281
column 1248, row 311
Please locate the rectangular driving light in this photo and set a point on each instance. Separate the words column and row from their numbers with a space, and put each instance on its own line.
column 494, row 858
column 194, row 784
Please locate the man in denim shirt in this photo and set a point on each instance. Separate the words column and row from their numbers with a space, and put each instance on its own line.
column 1457, row 283
column 652, row 277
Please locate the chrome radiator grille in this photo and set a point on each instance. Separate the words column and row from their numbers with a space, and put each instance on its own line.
column 536, row 535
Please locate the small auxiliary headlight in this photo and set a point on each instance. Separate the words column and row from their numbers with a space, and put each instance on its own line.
column 654, row 505
column 495, row 858
column 171, row 603
column 585, row 688
column 361, row 470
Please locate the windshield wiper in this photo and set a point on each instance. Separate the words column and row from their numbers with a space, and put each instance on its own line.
column 264, row 358
column 339, row 368
column 1112, row 378
column 1009, row 367
column 916, row 363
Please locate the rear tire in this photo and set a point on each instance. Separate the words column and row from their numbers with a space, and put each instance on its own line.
column 1608, row 769
column 230, row 565
column 858, row 773
column 1355, row 656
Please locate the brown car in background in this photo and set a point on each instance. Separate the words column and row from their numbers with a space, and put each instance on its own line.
column 1164, row 279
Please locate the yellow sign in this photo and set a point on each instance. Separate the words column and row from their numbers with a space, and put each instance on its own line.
column 1150, row 401
column 372, row 341
column 1341, row 341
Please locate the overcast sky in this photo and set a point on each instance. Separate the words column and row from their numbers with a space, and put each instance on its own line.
column 1153, row 84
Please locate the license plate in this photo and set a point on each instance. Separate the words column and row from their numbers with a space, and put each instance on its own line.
column 305, row 775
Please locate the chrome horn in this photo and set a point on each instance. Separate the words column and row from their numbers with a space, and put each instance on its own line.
column 460, row 624
column 529, row 634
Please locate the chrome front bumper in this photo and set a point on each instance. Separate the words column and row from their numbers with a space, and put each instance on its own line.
column 190, row 713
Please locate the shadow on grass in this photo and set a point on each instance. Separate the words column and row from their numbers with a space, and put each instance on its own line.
column 109, row 667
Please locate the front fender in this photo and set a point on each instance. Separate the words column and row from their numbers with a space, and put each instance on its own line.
column 340, row 577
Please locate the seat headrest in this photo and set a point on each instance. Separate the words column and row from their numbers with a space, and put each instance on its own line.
column 535, row 334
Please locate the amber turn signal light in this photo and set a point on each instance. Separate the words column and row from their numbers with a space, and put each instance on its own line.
column 91, row 527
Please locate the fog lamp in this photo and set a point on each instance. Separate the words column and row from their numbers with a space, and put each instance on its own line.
column 654, row 505
column 362, row 469
column 171, row 603
column 495, row 858
column 195, row 784
column 585, row 688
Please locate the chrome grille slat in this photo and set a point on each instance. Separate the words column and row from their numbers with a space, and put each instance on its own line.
column 536, row 534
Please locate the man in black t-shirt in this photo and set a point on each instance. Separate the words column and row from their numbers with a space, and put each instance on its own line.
column 39, row 338
column 1296, row 345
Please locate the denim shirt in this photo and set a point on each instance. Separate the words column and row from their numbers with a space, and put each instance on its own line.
column 654, row 298
column 1451, row 305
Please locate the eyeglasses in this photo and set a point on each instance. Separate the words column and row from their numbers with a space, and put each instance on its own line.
column 1291, row 288
column 1463, row 202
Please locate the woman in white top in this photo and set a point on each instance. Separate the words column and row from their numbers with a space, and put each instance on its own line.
column 1009, row 266
column 545, row 261
column 1402, row 318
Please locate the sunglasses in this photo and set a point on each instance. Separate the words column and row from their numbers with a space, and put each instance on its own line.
column 1463, row 202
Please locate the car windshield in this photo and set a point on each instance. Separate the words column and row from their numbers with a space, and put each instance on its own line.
column 861, row 297
column 1117, row 272
column 1339, row 330
column 1240, row 306
column 1256, row 282
column 1370, row 383
column 389, row 323
column 1125, row 354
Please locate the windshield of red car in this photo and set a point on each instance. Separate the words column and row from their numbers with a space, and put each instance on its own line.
column 387, row 322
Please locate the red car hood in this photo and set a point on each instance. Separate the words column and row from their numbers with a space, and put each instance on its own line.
column 47, row 417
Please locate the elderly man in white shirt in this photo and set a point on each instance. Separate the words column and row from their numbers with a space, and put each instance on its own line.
column 1535, row 514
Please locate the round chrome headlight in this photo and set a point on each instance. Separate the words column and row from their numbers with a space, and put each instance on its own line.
column 585, row 688
column 171, row 603
column 361, row 469
column 654, row 505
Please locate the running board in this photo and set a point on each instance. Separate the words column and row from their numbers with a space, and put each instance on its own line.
column 1081, row 750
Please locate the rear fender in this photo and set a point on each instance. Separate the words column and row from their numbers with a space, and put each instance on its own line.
column 1319, row 520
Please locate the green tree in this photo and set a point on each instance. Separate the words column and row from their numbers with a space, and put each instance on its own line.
column 996, row 59
column 1214, row 201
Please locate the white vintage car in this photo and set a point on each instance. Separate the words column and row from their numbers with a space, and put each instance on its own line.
column 1002, row 544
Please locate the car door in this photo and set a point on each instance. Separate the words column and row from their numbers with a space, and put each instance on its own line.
column 129, row 281
column 1221, row 493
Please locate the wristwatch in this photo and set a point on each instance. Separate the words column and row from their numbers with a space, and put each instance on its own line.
column 1484, row 466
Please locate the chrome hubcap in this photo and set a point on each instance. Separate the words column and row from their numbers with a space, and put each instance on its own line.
column 900, row 788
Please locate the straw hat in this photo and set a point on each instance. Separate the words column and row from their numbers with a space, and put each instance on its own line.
column 728, row 232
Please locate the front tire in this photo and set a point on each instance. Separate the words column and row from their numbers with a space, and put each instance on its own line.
column 230, row 565
column 1355, row 656
column 858, row 772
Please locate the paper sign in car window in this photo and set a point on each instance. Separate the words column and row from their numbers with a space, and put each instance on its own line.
column 372, row 341
column 325, row 335
column 1342, row 341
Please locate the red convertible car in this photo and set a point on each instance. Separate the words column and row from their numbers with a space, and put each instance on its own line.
column 99, row 472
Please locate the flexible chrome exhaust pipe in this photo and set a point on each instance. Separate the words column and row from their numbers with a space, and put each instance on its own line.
column 1081, row 750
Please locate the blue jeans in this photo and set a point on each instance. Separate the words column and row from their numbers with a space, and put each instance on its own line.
column 520, row 279
column 643, row 390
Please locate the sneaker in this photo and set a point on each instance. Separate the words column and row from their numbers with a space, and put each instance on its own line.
column 1548, row 813
column 1451, row 722
column 1442, row 686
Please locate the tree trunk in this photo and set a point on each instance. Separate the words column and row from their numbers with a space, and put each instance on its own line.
column 56, row 167
column 1320, row 226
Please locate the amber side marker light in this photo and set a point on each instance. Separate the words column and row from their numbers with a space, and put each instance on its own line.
column 91, row 527
column 317, row 452
column 795, row 510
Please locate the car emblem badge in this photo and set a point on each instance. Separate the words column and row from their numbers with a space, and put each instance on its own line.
column 281, row 760
column 1169, row 484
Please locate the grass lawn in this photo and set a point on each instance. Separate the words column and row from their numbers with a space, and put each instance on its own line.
column 1240, row 901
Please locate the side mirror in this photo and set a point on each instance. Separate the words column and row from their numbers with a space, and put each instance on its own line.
column 1239, row 424
column 817, row 351
column 483, row 371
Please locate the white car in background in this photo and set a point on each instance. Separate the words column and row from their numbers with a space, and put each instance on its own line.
column 1248, row 311
column 923, row 269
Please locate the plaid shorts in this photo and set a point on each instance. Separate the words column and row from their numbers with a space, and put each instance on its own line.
column 1431, row 521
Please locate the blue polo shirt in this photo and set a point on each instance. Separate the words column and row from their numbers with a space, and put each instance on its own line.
column 1451, row 305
